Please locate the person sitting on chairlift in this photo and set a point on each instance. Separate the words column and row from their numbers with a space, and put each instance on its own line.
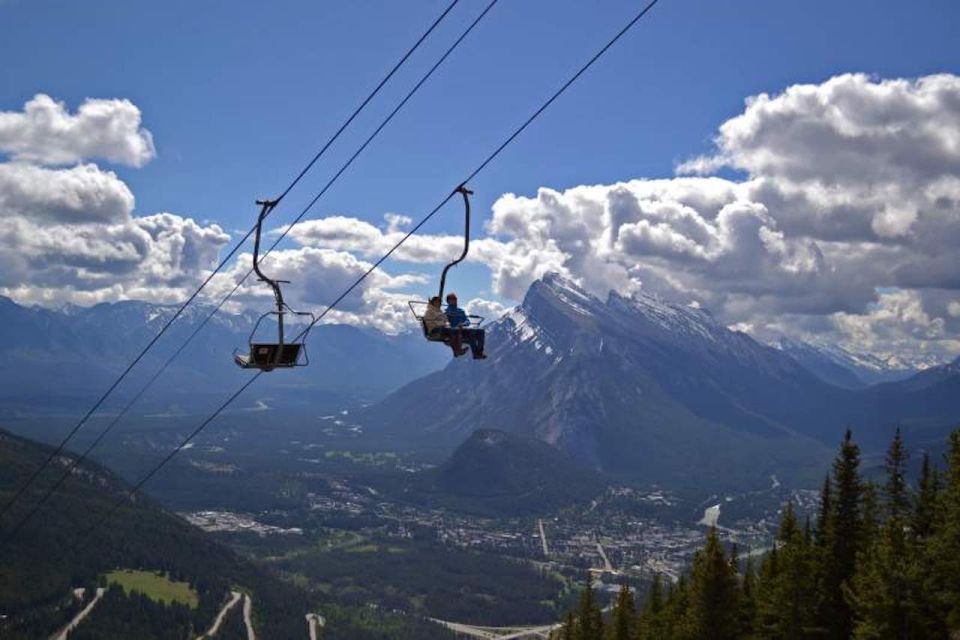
column 459, row 321
column 437, row 324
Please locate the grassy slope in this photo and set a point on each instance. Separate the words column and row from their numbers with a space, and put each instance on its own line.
column 157, row 587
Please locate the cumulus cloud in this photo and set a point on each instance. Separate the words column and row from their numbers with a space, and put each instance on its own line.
column 316, row 278
column 81, row 194
column 70, row 233
column 846, row 219
column 489, row 310
column 45, row 132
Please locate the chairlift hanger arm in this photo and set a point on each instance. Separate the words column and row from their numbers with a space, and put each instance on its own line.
column 266, row 206
column 466, row 193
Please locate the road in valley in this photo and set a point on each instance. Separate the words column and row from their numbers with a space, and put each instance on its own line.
column 543, row 539
column 212, row 631
column 314, row 623
column 603, row 556
column 62, row 634
column 247, row 616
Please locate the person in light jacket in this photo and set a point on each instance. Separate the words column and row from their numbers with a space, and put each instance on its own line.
column 436, row 323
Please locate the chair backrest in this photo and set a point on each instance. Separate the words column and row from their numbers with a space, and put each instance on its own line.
column 265, row 354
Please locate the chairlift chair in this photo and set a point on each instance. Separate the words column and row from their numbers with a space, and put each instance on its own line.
column 475, row 321
column 267, row 356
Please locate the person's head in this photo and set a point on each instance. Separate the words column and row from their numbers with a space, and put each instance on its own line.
column 435, row 301
column 452, row 299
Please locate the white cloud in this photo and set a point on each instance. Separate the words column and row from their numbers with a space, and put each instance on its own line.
column 317, row 278
column 852, row 187
column 81, row 194
column 46, row 133
column 70, row 234
column 490, row 310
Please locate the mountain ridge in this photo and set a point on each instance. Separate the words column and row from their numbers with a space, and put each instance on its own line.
column 59, row 360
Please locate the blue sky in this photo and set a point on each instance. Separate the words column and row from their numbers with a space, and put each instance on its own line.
column 238, row 95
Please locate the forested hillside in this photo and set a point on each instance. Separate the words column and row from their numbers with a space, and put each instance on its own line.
column 882, row 560
column 51, row 555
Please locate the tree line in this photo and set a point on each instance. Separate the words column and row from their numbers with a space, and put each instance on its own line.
column 880, row 561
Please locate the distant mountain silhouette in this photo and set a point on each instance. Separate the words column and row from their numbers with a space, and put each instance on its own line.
column 62, row 359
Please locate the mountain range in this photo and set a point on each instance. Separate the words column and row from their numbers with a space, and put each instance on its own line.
column 630, row 386
column 656, row 392
column 61, row 360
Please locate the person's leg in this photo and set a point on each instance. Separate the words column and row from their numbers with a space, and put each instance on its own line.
column 475, row 338
column 455, row 340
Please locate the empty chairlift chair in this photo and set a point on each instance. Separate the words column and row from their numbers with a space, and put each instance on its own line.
column 282, row 354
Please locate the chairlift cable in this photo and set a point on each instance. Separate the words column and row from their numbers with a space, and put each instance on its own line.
column 369, row 271
column 96, row 406
column 77, row 461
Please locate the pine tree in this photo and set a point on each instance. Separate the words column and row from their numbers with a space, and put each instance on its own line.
column 624, row 616
column 895, row 489
column 748, row 601
column 823, row 532
column 651, row 622
column 714, row 594
column 925, row 612
column 569, row 631
column 589, row 617
column 787, row 595
column 674, row 625
column 943, row 552
column 882, row 586
column 925, row 504
column 844, row 541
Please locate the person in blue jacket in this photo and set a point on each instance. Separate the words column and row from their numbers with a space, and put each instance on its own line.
column 474, row 336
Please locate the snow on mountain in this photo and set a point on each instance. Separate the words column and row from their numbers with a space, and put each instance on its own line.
column 845, row 368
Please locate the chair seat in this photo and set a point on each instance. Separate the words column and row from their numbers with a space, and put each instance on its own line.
column 264, row 356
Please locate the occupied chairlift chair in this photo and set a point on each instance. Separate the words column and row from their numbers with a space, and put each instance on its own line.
column 268, row 356
column 475, row 321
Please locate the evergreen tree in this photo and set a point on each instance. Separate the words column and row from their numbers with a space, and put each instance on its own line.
column 569, row 631
column 748, row 600
column 895, row 489
column 844, row 533
column 824, row 531
column 714, row 594
column 882, row 587
column 787, row 595
column 925, row 504
column 650, row 625
column 589, row 617
column 925, row 611
column 871, row 512
column 624, row 616
column 673, row 621
column 943, row 551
